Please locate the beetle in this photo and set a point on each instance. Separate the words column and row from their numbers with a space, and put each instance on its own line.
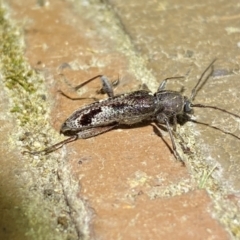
column 162, row 107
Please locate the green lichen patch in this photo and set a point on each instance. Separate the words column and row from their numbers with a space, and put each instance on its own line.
column 37, row 175
column 13, row 66
column 21, row 81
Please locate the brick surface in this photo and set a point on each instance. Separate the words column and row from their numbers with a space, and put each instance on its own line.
column 126, row 184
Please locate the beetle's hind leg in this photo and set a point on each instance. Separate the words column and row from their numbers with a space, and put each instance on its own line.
column 87, row 133
column 107, row 86
column 53, row 147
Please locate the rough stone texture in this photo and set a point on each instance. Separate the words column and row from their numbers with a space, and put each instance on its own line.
column 125, row 184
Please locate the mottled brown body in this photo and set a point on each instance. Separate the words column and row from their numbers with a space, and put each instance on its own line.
column 162, row 107
column 126, row 109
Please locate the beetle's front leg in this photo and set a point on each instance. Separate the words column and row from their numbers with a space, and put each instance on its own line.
column 164, row 82
column 163, row 119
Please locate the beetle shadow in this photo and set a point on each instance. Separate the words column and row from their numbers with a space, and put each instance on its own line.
column 156, row 129
column 181, row 120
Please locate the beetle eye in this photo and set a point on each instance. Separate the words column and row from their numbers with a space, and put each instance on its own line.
column 187, row 107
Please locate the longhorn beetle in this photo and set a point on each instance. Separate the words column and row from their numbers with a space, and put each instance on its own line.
column 161, row 107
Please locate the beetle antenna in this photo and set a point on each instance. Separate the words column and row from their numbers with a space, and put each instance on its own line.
column 216, row 108
column 196, row 89
column 214, row 127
